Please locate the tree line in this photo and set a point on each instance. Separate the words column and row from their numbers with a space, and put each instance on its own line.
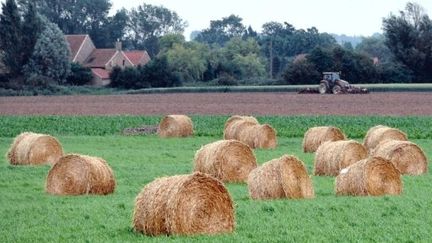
column 226, row 53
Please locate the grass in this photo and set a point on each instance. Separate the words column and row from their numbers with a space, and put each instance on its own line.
column 30, row 215
column 292, row 126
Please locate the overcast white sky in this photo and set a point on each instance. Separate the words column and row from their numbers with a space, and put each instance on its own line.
column 350, row 17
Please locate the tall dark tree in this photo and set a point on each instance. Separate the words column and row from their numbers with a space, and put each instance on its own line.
column 11, row 41
column 408, row 36
column 283, row 41
column 76, row 16
column 221, row 31
column 31, row 29
column 116, row 27
column 148, row 23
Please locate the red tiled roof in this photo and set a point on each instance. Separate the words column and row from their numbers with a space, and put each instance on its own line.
column 137, row 57
column 99, row 58
column 101, row 73
column 75, row 42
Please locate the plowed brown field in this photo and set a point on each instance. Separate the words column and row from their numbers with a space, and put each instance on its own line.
column 222, row 103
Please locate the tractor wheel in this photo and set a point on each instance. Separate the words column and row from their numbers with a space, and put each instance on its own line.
column 322, row 88
column 337, row 89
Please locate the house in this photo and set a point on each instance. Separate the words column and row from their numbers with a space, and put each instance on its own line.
column 102, row 61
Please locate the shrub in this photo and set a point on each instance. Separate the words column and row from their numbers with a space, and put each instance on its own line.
column 79, row 75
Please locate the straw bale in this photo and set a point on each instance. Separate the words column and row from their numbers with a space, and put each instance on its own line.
column 406, row 156
column 373, row 176
column 175, row 126
column 285, row 177
column 227, row 160
column 77, row 174
column 316, row 136
column 331, row 157
column 34, row 149
column 258, row 136
column 184, row 205
column 229, row 130
column 379, row 133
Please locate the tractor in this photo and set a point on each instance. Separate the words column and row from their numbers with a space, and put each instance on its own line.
column 333, row 84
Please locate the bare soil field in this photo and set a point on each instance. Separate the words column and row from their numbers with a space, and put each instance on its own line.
column 413, row 103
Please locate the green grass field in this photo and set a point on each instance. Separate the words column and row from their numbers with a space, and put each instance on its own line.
column 28, row 214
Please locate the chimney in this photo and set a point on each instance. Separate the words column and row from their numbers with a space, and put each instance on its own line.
column 118, row 45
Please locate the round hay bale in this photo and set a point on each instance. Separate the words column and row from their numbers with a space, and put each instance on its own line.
column 406, row 156
column 257, row 136
column 77, row 174
column 34, row 149
column 331, row 157
column 379, row 133
column 373, row 176
column 229, row 131
column 184, row 205
column 227, row 160
column 175, row 126
column 285, row 177
column 316, row 136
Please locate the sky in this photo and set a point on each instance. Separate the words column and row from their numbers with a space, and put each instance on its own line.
column 350, row 17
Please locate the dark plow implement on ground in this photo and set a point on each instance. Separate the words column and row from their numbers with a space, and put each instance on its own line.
column 332, row 84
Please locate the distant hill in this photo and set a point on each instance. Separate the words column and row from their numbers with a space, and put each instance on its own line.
column 341, row 39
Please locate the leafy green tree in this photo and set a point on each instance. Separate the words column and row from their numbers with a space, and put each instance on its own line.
column 408, row 37
column 79, row 75
column 50, row 57
column 244, row 55
column 11, row 37
column 167, row 42
column 147, row 23
column 221, row 31
column 188, row 61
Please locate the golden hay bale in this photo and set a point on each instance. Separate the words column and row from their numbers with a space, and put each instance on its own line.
column 316, row 136
column 229, row 130
column 406, row 156
column 285, row 177
column 379, row 133
column 373, row 176
column 77, row 174
column 227, row 160
column 34, row 149
column 184, row 205
column 331, row 157
column 175, row 126
column 257, row 136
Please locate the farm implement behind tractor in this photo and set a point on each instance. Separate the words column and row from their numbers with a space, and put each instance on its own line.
column 332, row 84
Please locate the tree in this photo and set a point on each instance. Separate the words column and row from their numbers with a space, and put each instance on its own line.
column 50, row 58
column 31, row 29
column 375, row 46
column 159, row 74
column 148, row 22
column 408, row 37
column 11, row 38
column 221, row 31
column 188, row 61
column 76, row 16
column 301, row 72
column 79, row 75
column 283, row 42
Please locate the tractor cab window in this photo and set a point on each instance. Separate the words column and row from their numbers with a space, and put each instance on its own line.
column 336, row 76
